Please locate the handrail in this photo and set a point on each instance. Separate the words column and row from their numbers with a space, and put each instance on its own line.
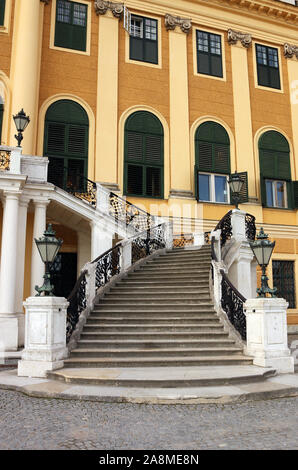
column 232, row 300
column 77, row 303
column 85, row 190
column 126, row 212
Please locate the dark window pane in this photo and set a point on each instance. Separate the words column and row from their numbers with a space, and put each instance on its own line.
column 136, row 49
column 216, row 66
column 284, row 280
column 143, row 40
column 209, row 54
column 153, row 182
column 56, row 171
column 135, row 179
column 150, row 52
column 64, row 11
column 267, row 66
column 203, row 64
column 269, row 193
column 2, row 11
column 274, row 78
column 220, row 183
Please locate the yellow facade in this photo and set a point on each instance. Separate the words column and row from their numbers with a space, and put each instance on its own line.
column 110, row 87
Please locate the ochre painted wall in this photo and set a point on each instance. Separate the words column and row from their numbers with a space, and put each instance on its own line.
column 6, row 44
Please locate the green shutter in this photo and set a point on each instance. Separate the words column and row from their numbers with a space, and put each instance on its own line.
column 1, row 120
column 295, row 192
column 144, row 155
column 244, row 190
column 212, row 148
column 2, row 12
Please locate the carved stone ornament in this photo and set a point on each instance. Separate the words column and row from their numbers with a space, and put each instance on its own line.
column 102, row 6
column 235, row 36
column 290, row 51
column 172, row 21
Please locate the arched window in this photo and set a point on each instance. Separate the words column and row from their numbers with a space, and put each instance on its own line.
column 275, row 169
column 212, row 148
column 143, row 155
column 66, row 143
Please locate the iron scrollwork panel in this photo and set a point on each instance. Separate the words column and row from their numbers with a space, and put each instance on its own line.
column 232, row 303
column 77, row 303
column 107, row 266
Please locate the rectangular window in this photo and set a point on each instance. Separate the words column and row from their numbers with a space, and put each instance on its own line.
column 71, row 25
column 276, row 193
column 213, row 188
column 267, row 66
column 143, row 39
column 2, row 12
column 284, row 280
column 209, row 54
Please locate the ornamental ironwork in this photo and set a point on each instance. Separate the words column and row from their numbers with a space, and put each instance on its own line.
column 232, row 303
column 226, row 228
column 77, row 303
column 107, row 266
column 148, row 242
column 171, row 22
column 235, row 36
column 102, row 6
column 4, row 160
column 250, row 227
column 130, row 215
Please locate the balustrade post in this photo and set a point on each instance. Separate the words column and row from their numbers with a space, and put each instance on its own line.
column 90, row 284
column 169, row 235
column 15, row 160
column 103, row 199
column 126, row 256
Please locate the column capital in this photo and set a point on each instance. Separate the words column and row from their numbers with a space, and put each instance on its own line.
column 102, row 6
column 41, row 201
column 11, row 194
column 171, row 22
column 235, row 36
column 290, row 50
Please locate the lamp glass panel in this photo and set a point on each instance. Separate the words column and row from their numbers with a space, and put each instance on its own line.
column 236, row 184
column 47, row 251
column 267, row 251
column 258, row 252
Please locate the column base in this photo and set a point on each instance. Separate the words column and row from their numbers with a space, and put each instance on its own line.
column 37, row 368
column 282, row 365
column 9, row 332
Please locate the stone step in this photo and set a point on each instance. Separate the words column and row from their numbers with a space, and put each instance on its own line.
column 177, row 361
column 177, row 277
column 202, row 269
column 154, row 314
column 155, row 309
column 144, row 289
column 159, row 302
column 154, row 343
column 132, row 296
column 170, row 352
column 149, row 328
column 153, row 283
column 174, row 262
column 195, row 334
column 95, row 319
column 165, row 378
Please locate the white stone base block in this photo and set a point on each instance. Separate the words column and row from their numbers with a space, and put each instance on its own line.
column 45, row 336
column 8, row 333
column 267, row 338
column 37, row 368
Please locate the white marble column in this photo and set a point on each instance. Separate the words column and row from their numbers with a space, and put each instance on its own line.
column 37, row 266
column 8, row 273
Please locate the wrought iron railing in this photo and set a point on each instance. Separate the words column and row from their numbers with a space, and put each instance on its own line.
column 129, row 214
column 77, row 303
column 232, row 300
column 232, row 303
column 5, row 160
column 76, row 184
column 107, row 266
column 146, row 243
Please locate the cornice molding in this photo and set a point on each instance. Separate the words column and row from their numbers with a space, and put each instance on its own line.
column 102, row 6
column 235, row 36
column 172, row 22
column 290, row 50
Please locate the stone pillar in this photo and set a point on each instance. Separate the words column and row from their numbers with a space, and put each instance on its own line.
column 21, row 248
column 267, row 339
column 37, row 266
column 25, row 67
column 8, row 274
column 240, row 43
column 101, row 239
column 179, row 106
column 126, row 256
column 107, row 92
column 45, row 336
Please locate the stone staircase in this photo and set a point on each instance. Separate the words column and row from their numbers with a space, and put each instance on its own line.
column 158, row 316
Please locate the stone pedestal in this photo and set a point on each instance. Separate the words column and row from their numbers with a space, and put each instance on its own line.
column 45, row 336
column 267, row 340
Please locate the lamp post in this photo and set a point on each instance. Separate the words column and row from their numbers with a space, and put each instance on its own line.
column 21, row 122
column 48, row 247
column 236, row 184
column 262, row 249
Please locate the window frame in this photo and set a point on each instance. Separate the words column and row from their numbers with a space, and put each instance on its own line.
column 5, row 26
column 212, row 192
column 274, row 193
column 158, row 40
column 88, row 29
column 195, row 53
column 255, row 67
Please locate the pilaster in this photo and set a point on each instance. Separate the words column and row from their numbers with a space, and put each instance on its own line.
column 179, row 104
column 291, row 53
column 240, row 43
column 107, row 91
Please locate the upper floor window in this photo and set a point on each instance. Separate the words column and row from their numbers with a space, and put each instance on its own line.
column 71, row 25
column 268, row 66
column 2, row 12
column 143, row 155
column 275, row 168
column 209, row 54
column 143, row 39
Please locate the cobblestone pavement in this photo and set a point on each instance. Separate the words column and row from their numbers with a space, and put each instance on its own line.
column 37, row 423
